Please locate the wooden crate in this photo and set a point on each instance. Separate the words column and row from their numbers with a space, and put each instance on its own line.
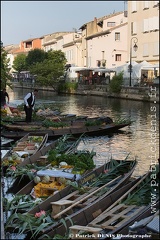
column 78, row 200
column 42, row 161
column 18, row 148
column 115, row 217
column 60, row 205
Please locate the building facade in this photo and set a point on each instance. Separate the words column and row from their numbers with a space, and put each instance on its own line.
column 72, row 48
column 143, row 29
column 105, row 41
column 53, row 41
column 23, row 48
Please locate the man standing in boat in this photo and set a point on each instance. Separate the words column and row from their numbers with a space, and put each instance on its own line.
column 29, row 102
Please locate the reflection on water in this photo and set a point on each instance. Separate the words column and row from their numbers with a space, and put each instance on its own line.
column 140, row 139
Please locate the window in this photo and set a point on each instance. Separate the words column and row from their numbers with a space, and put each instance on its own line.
column 28, row 44
column 151, row 24
column 118, row 57
column 89, row 61
column 117, row 36
column 103, row 63
column 69, row 55
column 133, row 28
column 145, row 25
column 145, row 50
column 103, row 54
column 98, row 63
column 156, row 49
column 146, row 5
column 134, row 6
column 111, row 24
column 156, row 3
column 155, row 23
column 66, row 53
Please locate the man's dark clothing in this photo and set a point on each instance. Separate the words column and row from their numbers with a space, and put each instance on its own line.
column 28, row 112
column 30, row 102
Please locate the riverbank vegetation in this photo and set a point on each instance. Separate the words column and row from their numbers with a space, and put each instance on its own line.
column 67, row 87
column 47, row 68
column 115, row 85
column 5, row 69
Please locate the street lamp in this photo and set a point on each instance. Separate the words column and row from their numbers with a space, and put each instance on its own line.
column 135, row 47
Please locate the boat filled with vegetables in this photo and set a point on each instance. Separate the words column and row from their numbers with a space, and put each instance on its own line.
column 107, row 217
column 24, row 149
column 56, row 124
column 76, row 196
column 24, row 172
column 90, row 128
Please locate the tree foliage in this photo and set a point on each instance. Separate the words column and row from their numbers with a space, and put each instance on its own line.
column 35, row 56
column 115, row 85
column 19, row 63
column 5, row 69
column 49, row 71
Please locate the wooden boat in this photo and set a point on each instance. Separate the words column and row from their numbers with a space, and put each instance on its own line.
column 111, row 167
column 106, row 217
column 143, row 222
column 2, row 216
column 6, row 142
column 65, row 144
column 68, row 140
column 71, row 195
column 130, row 166
column 17, row 132
column 24, row 149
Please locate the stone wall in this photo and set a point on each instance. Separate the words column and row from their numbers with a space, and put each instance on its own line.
column 148, row 94
column 134, row 93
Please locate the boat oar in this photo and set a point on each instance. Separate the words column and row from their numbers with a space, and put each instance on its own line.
column 81, row 200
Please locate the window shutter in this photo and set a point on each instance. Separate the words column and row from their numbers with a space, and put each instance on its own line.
column 151, row 21
column 89, row 61
column 71, row 54
column 155, row 23
column 134, row 28
column 134, row 6
column 156, row 48
column 145, row 49
column 145, row 25
column 156, row 2
column 146, row 4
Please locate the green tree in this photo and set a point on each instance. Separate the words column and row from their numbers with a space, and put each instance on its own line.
column 49, row 71
column 115, row 85
column 19, row 63
column 35, row 56
column 5, row 69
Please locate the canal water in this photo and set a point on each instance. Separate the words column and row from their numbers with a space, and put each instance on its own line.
column 140, row 140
